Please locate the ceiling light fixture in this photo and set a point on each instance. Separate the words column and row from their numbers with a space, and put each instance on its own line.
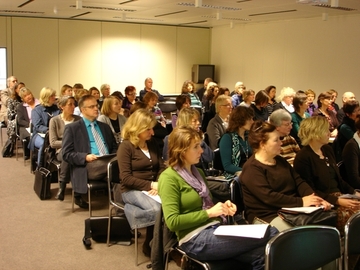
column 198, row 3
column 218, row 15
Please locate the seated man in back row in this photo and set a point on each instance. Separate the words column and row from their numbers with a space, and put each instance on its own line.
column 84, row 142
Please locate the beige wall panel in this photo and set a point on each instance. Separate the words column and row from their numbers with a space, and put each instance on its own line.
column 158, row 57
column 193, row 47
column 121, row 55
column 80, row 53
column 3, row 31
column 35, row 52
column 301, row 54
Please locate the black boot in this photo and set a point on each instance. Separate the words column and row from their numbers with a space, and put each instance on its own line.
column 61, row 193
column 80, row 202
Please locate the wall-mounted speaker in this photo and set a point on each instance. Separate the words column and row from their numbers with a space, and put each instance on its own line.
column 201, row 72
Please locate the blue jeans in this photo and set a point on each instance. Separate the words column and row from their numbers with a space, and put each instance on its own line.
column 140, row 209
column 207, row 246
column 39, row 143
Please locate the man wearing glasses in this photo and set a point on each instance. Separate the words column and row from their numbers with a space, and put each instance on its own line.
column 5, row 94
column 88, row 146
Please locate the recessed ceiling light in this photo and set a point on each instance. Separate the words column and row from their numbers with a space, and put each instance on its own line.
column 209, row 6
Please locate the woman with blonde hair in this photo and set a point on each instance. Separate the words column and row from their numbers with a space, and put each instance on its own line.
column 248, row 98
column 40, row 117
column 316, row 164
column 190, row 212
column 140, row 164
column 110, row 114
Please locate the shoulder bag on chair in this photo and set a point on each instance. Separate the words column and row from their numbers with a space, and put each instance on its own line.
column 42, row 183
column 319, row 217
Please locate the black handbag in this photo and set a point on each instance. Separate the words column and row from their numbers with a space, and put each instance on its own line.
column 319, row 217
column 97, row 228
column 8, row 149
column 42, row 183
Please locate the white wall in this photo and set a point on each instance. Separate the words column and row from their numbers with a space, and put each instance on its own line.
column 51, row 52
column 302, row 54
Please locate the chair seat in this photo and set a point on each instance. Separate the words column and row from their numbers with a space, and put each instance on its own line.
column 97, row 184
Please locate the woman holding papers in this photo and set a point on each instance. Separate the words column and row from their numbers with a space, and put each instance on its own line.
column 140, row 164
column 189, row 210
column 269, row 182
column 316, row 164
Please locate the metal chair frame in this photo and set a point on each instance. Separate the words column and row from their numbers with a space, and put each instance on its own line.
column 352, row 238
column 114, row 178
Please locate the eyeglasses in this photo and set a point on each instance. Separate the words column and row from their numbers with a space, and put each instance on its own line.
column 227, row 105
column 287, row 124
column 132, row 94
column 91, row 106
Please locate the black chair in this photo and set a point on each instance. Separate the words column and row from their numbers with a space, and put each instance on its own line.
column 167, row 107
column 114, row 178
column 352, row 238
column 303, row 248
column 217, row 160
column 237, row 198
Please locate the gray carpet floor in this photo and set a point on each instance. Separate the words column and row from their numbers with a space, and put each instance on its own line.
column 37, row 234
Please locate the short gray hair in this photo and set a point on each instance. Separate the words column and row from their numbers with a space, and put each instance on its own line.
column 278, row 116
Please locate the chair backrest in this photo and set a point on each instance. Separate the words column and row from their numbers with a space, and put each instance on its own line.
column 303, row 248
column 236, row 197
column 352, row 237
column 113, row 177
column 217, row 160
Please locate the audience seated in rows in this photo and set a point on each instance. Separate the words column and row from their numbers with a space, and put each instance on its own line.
column 310, row 94
column 285, row 99
column 24, row 114
column 40, row 118
column 219, row 123
column 110, row 114
column 12, row 104
column 56, row 131
column 200, row 92
column 248, row 98
column 182, row 101
column 148, row 88
column 234, row 146
column 5, row 94
column 316, row 164
column 140, row 165
column 277, row 185
column 324, row 101
column 271, row 91
column 347, row 96
column 190, row 212
column 281, row 119
column 300, row 106
column 236, row 95
column 259, row 106
column 83, row 142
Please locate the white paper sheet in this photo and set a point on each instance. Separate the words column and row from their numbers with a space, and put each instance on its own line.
column 156, row 197
column 306, row 210
column 250, row 230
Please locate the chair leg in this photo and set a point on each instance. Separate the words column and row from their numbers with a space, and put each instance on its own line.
column 136, row 247
column 89, row 198
column 73, row 199
column 109, row 226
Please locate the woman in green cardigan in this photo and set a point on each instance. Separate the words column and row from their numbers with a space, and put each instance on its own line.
column 189, row 210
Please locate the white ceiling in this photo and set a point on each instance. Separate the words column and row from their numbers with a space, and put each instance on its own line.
column 212, row 13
